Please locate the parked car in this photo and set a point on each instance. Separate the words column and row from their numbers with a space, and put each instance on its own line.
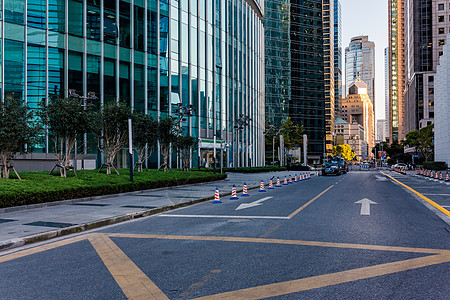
column 341, row 163
column 331, row 168
column 399, row 165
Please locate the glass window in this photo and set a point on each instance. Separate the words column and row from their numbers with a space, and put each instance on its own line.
column 441, row 31
column 184, row 43
column 152, row 43
column 75, row 69
column 440, row 18
column 124, row 83
column 36, row 13
column 35, row 75
column 93, row 20
column 139, row 88
column 109, row 80
column 124, row 24
column 14, row 67
column 93, row 74
column 110, row 31
column 139, row 28
column 441, row 6
column 56, row 15
column 14, row 11
column 76, row 17
column 55, row 71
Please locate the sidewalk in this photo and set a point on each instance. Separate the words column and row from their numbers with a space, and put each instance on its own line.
column 24, row 225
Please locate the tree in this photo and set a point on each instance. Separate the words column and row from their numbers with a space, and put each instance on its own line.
column 425, row 141
column 184, row 145
column 145, row 137
column 65, row 118
column 345, row 151
column 112, row 131
column 17, row 128
column 167, row 135
column 292, row 134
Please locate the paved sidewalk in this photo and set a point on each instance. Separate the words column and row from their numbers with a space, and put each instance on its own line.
column 25, row 225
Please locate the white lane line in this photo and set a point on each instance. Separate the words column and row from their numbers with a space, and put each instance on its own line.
column 224, row 217
column 446, row 206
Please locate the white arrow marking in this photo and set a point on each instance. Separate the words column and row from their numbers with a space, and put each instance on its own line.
column 252, row 204
column 365, row 207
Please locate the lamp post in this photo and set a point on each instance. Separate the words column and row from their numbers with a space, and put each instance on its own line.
column 86, row 103
column 181, row 112
column 241, row 122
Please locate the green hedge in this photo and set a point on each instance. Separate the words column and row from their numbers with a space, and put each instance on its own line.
column 39, row 187
column 435, row 165
column 255, row 170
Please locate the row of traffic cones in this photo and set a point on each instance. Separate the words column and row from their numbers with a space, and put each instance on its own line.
column 261, row 188
column 433, row 174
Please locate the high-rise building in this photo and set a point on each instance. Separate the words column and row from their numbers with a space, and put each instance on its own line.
column 338, row 84
column 360, row 63
column 396, row 69
column 386, row 92
column 381, row 131
column 442, row 124
column 153, row 54
column 278, row 59
column 308, row 91
column 358, row 108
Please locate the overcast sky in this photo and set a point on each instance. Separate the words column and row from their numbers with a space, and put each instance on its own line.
column 368, row 17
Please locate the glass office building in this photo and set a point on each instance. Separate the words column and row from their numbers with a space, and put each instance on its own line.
column 153, row 54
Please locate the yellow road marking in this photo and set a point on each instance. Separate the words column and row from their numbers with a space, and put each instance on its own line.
column 42, row 248
column 272, row 230
column 279, row 241
column 309, row 202
column 133, row 282
column 304, row 284
column 419, row 194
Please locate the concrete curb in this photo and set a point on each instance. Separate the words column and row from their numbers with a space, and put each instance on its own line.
column 18, row 242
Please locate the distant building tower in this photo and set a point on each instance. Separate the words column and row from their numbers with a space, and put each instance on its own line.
column 396, row 69
column 360, row 63
column 386, row 92
column 358, row 108
column 338, row 84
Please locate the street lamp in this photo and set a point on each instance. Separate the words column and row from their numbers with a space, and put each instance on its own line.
column 86, row 103
column 183, row 111
column 241, row 122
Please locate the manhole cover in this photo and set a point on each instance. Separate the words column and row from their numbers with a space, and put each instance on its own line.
column 238, row 220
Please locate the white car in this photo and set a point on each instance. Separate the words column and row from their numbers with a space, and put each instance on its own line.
column 400, row 165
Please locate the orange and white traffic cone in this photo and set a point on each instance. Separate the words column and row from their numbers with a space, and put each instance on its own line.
column 440, row 176
column 295, row 178
column 290, row 179
column 271, row 184
column 447, row 178
column 217, row 196
column 233, row 193
column 285, row 181
column 278, row 182
column 436, row 175
column 244, row 192
column 261, row 188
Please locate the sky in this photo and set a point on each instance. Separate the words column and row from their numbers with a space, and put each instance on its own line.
column 368, row 17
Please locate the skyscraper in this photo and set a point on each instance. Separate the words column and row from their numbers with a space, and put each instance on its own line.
column 360, row 63
column 396, row 69
column 338, row 85
column 308, row 91
column 386, row 92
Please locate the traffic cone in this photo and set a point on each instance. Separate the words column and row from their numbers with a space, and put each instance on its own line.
column 217, row 196
column 244, row 191
column 309, row 175
column 271, row 185
column 290, row 179
column 436, row 176
column 447, row 178
column 285, row 181
column 440, row 176
column 278, row 182
column 233, row 193
column 261, row 188
column 295, row 178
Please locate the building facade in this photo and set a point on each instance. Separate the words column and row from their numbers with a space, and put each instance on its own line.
column 351, row 134
column 396, row 19
column 278, row 60
column 360, row 63
column 357, row 108
column 152, row 54
column 380, row 131
column 441, row 121
column 386, row 92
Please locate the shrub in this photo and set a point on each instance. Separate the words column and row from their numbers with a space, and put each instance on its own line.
column 435, row 165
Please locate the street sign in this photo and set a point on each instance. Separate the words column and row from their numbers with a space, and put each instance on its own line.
column 384, row 157
column 416, row 156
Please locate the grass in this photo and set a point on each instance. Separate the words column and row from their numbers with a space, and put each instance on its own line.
column 39, row 187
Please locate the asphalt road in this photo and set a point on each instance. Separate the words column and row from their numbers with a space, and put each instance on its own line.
column 306, row 240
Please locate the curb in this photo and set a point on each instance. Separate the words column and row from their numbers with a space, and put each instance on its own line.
column 44, row 236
